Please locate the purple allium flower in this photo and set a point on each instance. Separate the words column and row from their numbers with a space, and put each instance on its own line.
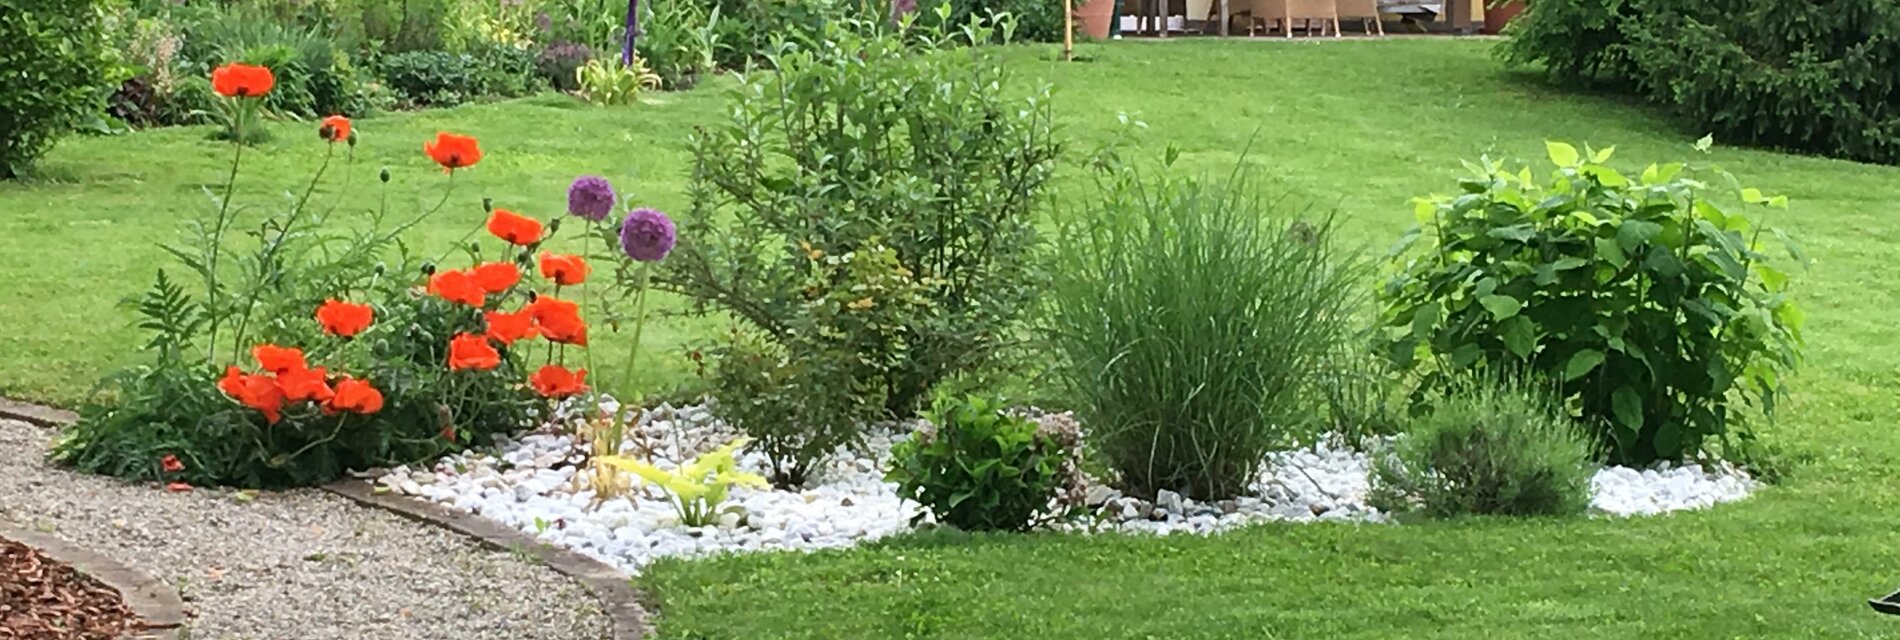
column 590, row 197
column 646, row 235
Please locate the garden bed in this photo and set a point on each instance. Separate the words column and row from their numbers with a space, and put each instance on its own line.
column 539, row 484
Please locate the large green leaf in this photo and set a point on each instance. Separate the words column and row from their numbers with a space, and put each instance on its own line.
column 1609, row 251
column 1633, row 233
column 1581, row 363
column 1520, row 335
column 1501, row 306
column 1425, row 319
column 1562, row 154
column 1628, row 408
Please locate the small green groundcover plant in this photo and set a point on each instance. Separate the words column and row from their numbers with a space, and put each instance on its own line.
column 1489, row 447
column 698, row 487
column 1648, row 300
column 976, row 468
column 1191, row 322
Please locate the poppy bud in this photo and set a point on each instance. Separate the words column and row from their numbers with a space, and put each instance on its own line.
column 385, row 175
column 488, row 205
column 475, row 247
column 428, row 268
column 554, row 225
column 352, row 139
column 532, row 296
column 381, row 268
column 382, row 345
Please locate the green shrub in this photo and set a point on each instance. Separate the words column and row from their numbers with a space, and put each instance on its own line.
column 800, row 402
column 1188, row 321
column 503, row 71
column 1820, row 77
column 431, row 78
column 1647, row 300
column 679, row 41
column 977, row 469
column 874, row 200
column 1577, row 41
column 54, row 64
column 557, row 63
column 607, row 82
column 751, row 31
column 1486, row 449
column 1034, row 20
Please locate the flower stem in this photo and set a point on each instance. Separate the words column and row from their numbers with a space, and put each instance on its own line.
column 217, row 234
column 639, row 326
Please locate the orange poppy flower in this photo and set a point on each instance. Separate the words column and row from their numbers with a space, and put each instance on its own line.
column 496, row 277
column 178, row 487
column 171, row 464
column 560, row 320
column 238, row 80
column 232, row 384
column 357, row 396
column 305, row 384
column 259, row 392
column 334, row 129
column 555, row 381
column 506, row 328
column 344, row 319
column 453, row 151
column 278, row 360
column 517, row 229
column 563, row 269
column 457, row 286
column 470, row 351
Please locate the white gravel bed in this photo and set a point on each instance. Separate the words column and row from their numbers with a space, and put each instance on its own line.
column 299, row 564
column 537, row 485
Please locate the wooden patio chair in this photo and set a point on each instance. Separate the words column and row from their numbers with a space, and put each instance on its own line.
column 1365, row 10
column 1284, row 12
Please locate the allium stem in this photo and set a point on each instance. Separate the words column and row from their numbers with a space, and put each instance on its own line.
column 639, row 326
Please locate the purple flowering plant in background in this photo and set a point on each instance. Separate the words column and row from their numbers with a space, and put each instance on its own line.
column 647, row 235
column 590, row 197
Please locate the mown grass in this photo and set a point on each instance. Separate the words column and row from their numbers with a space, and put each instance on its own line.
column 1355, row 126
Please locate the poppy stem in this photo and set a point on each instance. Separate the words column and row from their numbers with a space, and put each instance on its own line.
column 217, row 233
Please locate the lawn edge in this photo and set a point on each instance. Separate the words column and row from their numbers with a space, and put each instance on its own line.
column 613, row 589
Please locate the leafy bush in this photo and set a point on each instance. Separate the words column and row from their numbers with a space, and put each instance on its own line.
column 752, row 30
column 1035, row 20
column 1821, row 77
column 504, row 71
column 800, row 402
column 1647, row 300
column 54, row 62
column 426, row 78
column 1188, row 321
column 679, row 41
column 1577, row 41
column 1486, row 449
column 871, row 200
column 977, row 469
column 315, row 74
column 558, row 62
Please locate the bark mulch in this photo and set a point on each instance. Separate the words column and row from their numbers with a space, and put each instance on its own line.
column 41, row 599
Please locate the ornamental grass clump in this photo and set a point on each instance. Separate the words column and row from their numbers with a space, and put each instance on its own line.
column 1188, row 321
column 1491, row 447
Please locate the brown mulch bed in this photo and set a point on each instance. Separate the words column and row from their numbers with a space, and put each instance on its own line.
column 42, row 599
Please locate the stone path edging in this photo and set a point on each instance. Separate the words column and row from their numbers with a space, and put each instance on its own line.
column 612, row 588
column 161, row 612
column 36, row 414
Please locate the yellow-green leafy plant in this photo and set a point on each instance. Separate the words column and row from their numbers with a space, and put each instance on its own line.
column 697, row 487
column 609, row 83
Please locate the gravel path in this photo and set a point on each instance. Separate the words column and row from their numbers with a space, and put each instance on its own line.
column 303, row 564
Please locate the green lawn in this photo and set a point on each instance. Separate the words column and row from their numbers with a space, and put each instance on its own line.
column 1357, row 126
